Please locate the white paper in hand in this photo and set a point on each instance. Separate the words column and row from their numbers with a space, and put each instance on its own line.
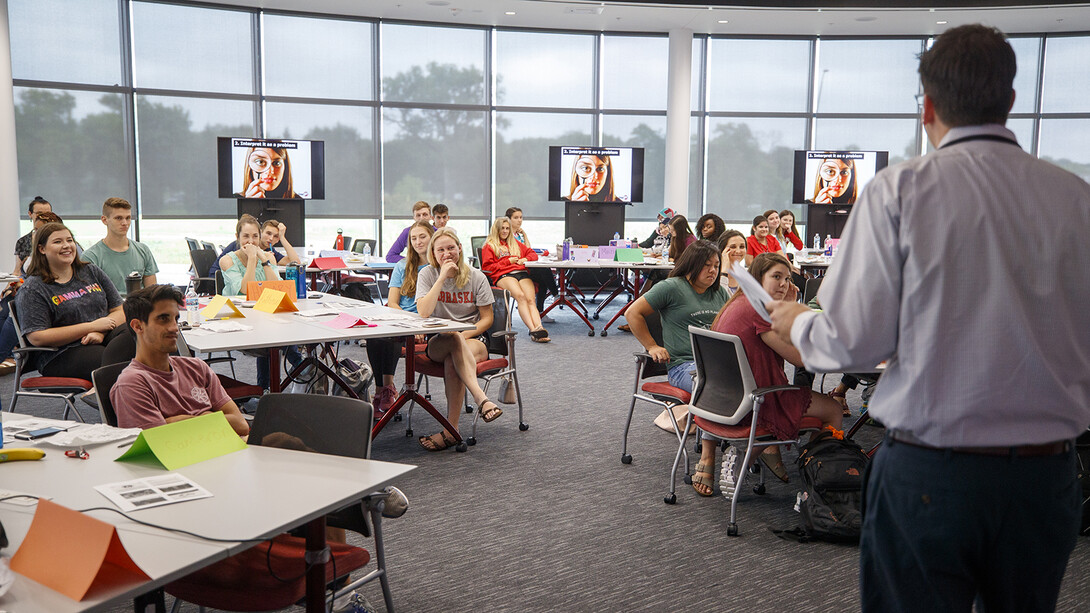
column 756, row 294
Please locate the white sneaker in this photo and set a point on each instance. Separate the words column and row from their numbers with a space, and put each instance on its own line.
column 545, row 319
column 352, row 602
column 730, row 476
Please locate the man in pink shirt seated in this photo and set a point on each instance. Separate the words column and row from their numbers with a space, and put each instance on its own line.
column 158, row 388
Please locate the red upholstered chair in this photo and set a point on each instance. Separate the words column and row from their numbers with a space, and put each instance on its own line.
column 659, row 392
column 725, row 403
column 63, row 388
column 500, row 363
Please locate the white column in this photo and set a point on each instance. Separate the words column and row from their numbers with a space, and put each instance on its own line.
column 9, row 168
column 678, row 109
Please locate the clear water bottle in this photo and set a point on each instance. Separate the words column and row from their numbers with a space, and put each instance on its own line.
column 367, row 252
column 616, row 237
column 828, row 244
column 817, row 241
column 192, row 307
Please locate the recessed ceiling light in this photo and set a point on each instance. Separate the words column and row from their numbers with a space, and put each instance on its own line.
column 723, row 21
column 509, row 13
column 941, row 23
column 437, row 3
column 867, row 18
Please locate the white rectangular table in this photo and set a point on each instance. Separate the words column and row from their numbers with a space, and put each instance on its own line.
column 258, row 492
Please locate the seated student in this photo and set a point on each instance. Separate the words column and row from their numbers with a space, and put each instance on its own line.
column 710, row 227
column 760, row 240
column 421, row 212
column 158, row 388
column 67, row 303
column 542, row 277
column 681, row 236
column 450, row 289
column 272, row 231
column 9, row 340
column 661, row 231
column 118, row 256
column 788, row 232
column 249, row 262
column 732, row 248
column 440, row 216
column 781, row 412
column 383, row 353
column 691, row 296
column 22, row 246
column 504, row 259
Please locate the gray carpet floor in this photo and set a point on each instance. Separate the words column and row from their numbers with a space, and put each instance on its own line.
column 550, row 519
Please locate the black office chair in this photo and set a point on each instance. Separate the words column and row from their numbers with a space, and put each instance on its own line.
column 193, row 243
column 202, row 260
column 104, row 379
column 476, row 243
column 811, row 289
column 212, row 246
column 357, row 245
column 658, row 392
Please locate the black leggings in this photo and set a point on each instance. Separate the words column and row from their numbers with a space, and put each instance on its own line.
column 383, row 353
column 81, row 360
column 546, row 284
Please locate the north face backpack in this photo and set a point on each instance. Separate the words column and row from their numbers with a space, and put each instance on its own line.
column 832, row 470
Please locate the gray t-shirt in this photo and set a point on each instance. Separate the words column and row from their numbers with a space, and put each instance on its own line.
column 459, row 304
column 118, row 264
column 88, row 295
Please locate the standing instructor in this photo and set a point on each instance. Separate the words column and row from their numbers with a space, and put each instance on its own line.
column 973, row 495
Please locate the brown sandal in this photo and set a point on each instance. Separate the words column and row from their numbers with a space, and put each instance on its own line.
column 704, row 469
column 489, row 415
column 431, row 443
column 842, row 401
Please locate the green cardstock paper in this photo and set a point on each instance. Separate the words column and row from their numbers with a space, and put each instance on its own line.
column 186, row 442
column 630, row 255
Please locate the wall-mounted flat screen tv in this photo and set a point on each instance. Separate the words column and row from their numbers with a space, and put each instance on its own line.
column 834, row 177
column 271, row 168
column 596, row 174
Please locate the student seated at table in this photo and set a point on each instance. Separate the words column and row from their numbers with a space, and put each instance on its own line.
column 504, row 259
column 272, row 232
column 542, row 277
column 681, row 236
column 440, row 216
column 732, row 249
column 383, row 353
column 782, row 412
column 249, row 262
column 158, row 388
column 450, row 289
column 116, row 254
column 9, row 340
column 421, row 212
column 661, row 231
column 252, row 263
column 710, row 227
column 69, row 304
column 690, row 296
column 761, row 240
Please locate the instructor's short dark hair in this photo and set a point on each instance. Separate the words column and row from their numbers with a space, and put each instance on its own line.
column 140, row 304
column 968, row 73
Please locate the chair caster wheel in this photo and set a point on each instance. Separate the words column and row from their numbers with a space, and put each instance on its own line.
column 469, row 409
column 759, row 489
column 626, row 458
column 732, row 530
column 604, row 333
column 523, row 426
column 591, row 333
column 427, row 396
column 397, row 417
column 696, row 447
column 461, row 447
column 408, row 433
column 471, row 441
column 688, row 479
column 595, row 316
column 670, row 499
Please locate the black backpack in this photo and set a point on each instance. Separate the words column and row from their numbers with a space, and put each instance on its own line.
column 1082, row 451
column 831, row 504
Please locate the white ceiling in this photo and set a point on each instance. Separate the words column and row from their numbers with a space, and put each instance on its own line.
column 558, row 14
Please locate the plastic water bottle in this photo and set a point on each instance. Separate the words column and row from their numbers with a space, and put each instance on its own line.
column 828, row 244
column 367, row 252
column 616, row 237
column 817, row 241
column 192, row 307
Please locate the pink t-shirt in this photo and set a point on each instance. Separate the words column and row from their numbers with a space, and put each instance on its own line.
column 144, row 397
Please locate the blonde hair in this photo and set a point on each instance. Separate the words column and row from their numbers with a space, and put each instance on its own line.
column 494, row 237
column 462, row 278
column 413, row 260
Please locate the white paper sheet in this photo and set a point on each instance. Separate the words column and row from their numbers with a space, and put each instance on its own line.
column 87, row 435
column 152, row 492
column 751, row 287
